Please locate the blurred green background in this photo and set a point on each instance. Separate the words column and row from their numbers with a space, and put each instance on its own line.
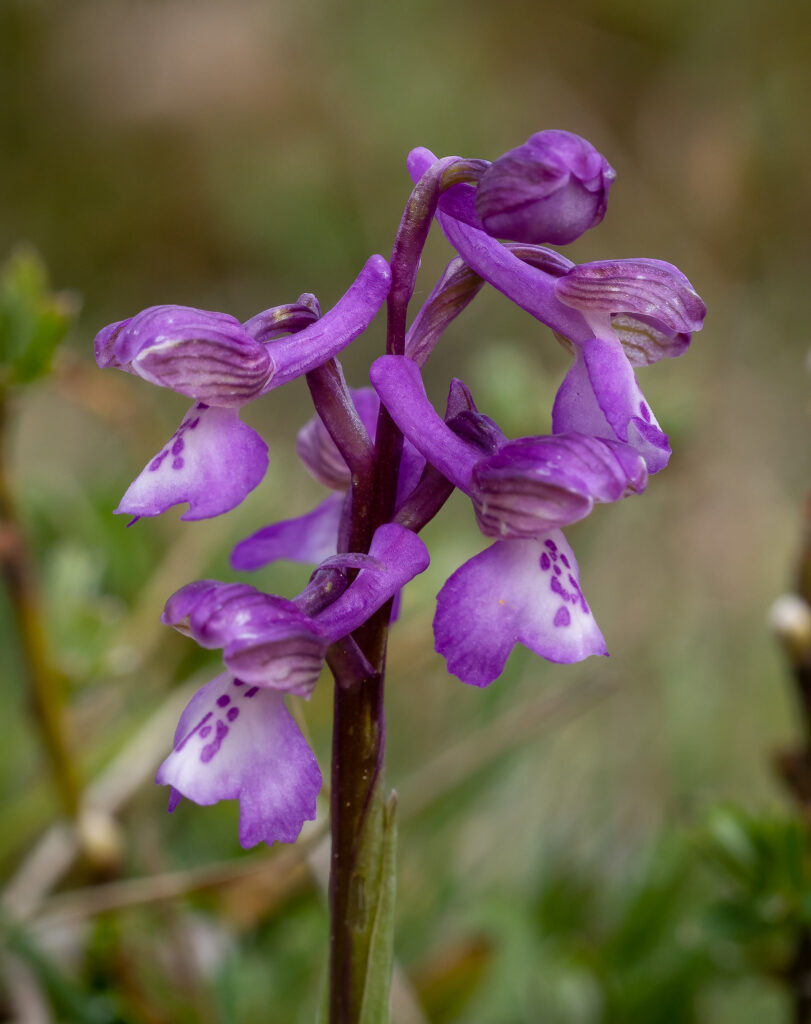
column 232, row 155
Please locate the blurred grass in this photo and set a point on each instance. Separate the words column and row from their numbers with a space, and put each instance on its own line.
column 232, row 156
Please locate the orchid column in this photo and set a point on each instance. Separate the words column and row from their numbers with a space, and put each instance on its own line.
column 390, row 461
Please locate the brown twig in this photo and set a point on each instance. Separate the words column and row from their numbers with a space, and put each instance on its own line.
column 47, row 686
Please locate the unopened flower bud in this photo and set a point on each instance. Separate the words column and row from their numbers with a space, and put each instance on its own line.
column 551, row 189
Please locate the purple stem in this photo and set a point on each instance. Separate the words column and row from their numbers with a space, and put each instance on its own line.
column 359, row 725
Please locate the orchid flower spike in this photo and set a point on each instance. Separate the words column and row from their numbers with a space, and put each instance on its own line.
column 214, row 460
column 614, row 315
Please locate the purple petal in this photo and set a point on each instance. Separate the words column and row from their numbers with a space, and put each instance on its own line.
column 644, row 342
column 536, row 484
column 640, row 287
column 205, row 355
column 398, row 382
column 266, row 640
column 516, row 591
column 236, row 742
column 551, row 189
column 600, row 396
column 403, row 556
column 277, row 320
column 320, row 454
column 309, row 538
column 212, row 461
column 299, row 353
column 453, row 292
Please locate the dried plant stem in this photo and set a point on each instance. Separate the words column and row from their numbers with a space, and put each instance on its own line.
column 47, row 686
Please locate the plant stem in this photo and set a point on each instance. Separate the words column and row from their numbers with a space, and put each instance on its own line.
column 46, row 685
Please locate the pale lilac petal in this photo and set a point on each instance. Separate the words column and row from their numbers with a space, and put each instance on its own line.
column 212, row 461
column 516, row 591
column 309, row 538
column 398, row 382
column 238, row 742
column 641, row 287
column 600, row 396
column 299, row 353
column 403, row 556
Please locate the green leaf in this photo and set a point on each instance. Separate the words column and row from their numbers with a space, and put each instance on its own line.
column 33, row 320
column 375, row 1005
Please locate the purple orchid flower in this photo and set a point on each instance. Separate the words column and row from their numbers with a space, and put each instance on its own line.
column 214, row 460
column 314, row 536
column 524, row 588
column 551, row 189
column 236, row 740
column 614, row 315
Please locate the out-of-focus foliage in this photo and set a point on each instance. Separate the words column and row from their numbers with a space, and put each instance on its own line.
column 32, row 320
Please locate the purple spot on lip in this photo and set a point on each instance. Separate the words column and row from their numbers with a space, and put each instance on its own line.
column 232, row 714
column 177, row 447
column 562, row 617
column 551, row 545
column 189, row 735
column 557, row 570
column 252, row 692
column 205, row 731
column 557, row 588
column 238, row 682
column 210, row 749
column 158, row 460
column 223, row 701
column 202, row 405
column 194, row 423
column 565, row 561
column 545, row 563
column 178, row 463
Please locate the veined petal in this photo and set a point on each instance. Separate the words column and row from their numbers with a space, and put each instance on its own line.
column 600, row 396
column 536, row 484
column 297, row 354
column 403, row 556
column 641, row 287
column 398, row 382
column 205, row 355
column 212, row 461
column 266, row 640
column 238, row 742
column 516, row 591
column 309, row 538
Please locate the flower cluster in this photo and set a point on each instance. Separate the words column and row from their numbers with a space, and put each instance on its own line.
column 236, row 739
